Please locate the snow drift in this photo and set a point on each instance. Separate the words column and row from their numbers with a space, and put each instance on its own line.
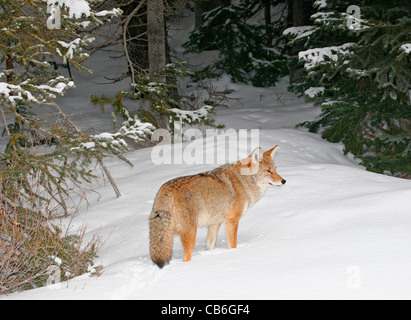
column 333, row 231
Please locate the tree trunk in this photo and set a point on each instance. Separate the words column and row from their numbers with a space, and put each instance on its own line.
column 157, row 45
column 267, row 18
column 156, row 35
column 9, row 66
column 299, row 13
column 173, row 91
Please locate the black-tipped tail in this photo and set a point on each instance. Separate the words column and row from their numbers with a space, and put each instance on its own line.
column 161, row 237
column 160, row 263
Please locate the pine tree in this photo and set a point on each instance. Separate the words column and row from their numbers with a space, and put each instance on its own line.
column 357, row 68
column 46, row 156
column 244, row 54
column 44, row 150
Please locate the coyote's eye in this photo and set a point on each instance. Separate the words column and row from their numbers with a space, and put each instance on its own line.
column 269, row 171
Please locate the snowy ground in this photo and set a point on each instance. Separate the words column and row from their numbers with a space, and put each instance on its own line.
column 333, row 231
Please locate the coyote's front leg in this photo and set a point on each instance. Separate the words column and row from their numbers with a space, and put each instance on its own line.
column 188, row 239
column 231, row 233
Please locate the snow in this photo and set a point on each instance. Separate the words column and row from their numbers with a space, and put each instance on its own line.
column 7, row 91
column 191, row 116
column 333, row 231
column 88, row 145
column 314, row 57
column 71, row 47
column 77, row 8
column 406, row 47
column 299, row 32
column 11, row 93
column 105, row 13
column 314, row 91
column 320, row 4
column 57, row 260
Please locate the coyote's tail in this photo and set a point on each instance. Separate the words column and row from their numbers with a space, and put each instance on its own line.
column 161, row 237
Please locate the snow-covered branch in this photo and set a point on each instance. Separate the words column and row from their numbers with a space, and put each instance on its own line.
column 317, row 56
column 132, row 128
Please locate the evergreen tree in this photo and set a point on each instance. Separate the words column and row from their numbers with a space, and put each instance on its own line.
column 242, row 41
column 46, row 156
column 357, row 63
column 42, row 148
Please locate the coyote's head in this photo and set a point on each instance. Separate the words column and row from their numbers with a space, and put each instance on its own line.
column 263, row 167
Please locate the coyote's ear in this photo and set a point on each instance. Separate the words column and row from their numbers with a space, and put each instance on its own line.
column 257, row 155
column 251, row 164
column 271, row 153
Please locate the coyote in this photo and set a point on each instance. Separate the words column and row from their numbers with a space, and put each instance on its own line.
column 209, row 199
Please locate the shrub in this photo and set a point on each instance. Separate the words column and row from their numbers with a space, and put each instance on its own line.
column 34, row 251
